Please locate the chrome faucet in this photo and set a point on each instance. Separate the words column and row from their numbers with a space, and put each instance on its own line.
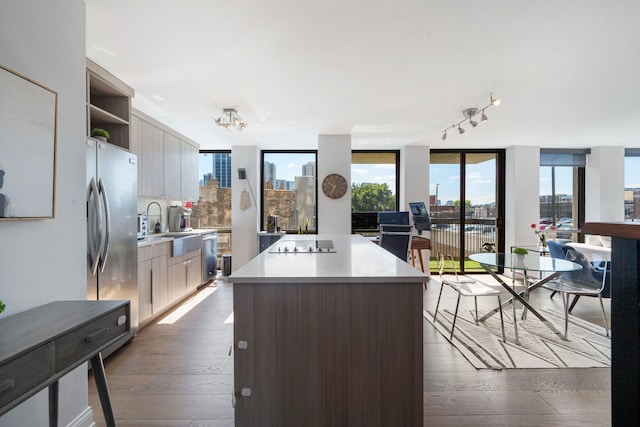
column 160, row 215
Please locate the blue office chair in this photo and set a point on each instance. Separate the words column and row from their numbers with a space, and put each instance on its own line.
column 396, row 239
column 588, row 282
column 601, row 269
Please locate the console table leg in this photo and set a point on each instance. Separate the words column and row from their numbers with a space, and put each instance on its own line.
column 97, row 367
column 53, row 404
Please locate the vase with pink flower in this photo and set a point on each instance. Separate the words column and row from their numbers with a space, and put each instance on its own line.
column 541, row 231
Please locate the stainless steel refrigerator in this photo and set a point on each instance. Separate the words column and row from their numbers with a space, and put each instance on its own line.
column 112, row 196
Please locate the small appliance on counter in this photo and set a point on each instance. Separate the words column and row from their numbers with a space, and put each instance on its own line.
column 179, row 218
column 143, row 226
column 272, row 223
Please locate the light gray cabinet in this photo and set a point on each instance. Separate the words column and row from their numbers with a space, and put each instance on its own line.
column 136, row 137
column 151, row 161
column 194, row 272
column 145, row 305
column 153, row 296
column 168, row 161
column 185, row 274
column 172, row 166
column 190, row 178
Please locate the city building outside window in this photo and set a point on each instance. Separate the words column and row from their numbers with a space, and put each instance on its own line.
column 289, row 190
column 632, row 184
column 213, row 209
column 562, row 191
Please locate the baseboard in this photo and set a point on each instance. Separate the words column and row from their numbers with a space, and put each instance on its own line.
column 85, row 419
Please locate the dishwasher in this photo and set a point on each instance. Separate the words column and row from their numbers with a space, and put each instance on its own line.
column 209, row 256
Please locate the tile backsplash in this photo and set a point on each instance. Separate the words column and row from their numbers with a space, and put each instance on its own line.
column 155, row 214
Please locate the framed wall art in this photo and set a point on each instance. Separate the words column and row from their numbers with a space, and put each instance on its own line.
column 28, row 121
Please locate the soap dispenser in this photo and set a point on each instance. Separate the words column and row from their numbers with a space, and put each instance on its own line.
column 158, row 227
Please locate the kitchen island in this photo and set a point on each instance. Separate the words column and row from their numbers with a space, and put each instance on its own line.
column 327, row 331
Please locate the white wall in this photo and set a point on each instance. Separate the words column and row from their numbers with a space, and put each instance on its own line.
column 244, row 224
column 414, row 176
column 44, row 260
column 334, row 156
column 522, row 188
column 604, row 182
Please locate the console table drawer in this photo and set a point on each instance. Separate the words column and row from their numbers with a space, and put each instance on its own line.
column 22, row 374
column 90, row 338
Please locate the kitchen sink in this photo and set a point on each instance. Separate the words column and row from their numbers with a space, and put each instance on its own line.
column 179, row 234
column 182, row 242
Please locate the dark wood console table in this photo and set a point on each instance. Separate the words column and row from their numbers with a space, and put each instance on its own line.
column 625, row 318
column 40, row 345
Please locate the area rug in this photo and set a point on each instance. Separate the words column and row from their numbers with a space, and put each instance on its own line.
column 482, row 344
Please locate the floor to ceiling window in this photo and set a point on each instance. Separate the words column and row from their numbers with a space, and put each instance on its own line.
column 562, row 181
column 289, row 190
column 466, row 203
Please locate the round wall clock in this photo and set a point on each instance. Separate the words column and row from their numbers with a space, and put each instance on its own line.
column 334, row 186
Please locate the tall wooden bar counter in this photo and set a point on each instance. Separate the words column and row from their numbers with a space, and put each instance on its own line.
column 328, row 338
column 625, row 319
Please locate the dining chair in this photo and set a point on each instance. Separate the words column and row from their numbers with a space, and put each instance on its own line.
column 396, row 239
column 467, row 287
column 601, row 270
column 582, row 282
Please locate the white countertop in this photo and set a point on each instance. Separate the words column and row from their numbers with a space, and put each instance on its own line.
column 356, row 260
column 154, row 239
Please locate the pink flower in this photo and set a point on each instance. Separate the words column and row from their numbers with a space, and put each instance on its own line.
column 543, row 229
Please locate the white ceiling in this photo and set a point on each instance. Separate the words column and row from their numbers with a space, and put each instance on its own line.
column 388, row 72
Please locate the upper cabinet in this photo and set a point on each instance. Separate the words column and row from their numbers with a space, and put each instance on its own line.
column 167, row 161
column 172, row 166
column 190, row 174
column 108, row 105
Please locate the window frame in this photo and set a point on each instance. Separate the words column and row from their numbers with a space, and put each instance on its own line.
column 396, row 153
column 262, row 213
column 629, row 153
column 216, row 152
column 575, row 158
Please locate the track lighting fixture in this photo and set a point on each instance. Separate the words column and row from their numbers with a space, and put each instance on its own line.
column 468, row 115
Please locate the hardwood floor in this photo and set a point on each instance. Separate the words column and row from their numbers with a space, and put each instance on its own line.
column 180, row 374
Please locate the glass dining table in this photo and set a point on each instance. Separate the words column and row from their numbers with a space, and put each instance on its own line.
column 547, row 268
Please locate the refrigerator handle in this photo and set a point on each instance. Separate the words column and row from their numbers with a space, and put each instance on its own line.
column 94, row 256
column 107, row 217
